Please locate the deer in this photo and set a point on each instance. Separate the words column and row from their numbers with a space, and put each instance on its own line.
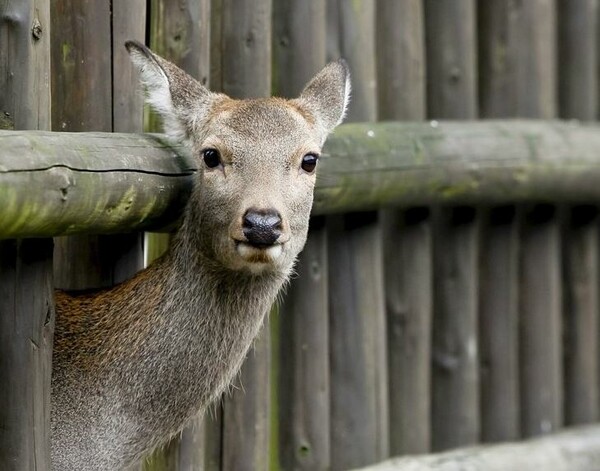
column 133, row 364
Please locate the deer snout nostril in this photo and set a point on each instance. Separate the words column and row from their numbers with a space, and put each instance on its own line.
column 262, row 227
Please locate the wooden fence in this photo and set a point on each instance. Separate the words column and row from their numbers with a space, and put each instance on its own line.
column 448, row 293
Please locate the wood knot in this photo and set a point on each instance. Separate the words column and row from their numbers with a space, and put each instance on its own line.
column 36, row 30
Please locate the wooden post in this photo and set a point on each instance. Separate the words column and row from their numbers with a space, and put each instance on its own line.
column 452, row 93
column 541, row 373
column 303, row 337
column 179, row 32
column 498, row 325
column 580, row 281
column 245, row 58
column 406, row 235
column 578, row 92
column 455, row 395
column 499, row 256
column 357, row 306
column 82, row 101
column 577, row 49
column 451, row 59
column 540, row 324
column 409, row 295
column 26, row 293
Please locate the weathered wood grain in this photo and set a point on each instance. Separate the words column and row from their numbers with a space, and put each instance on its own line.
column 451, row 44
column 82, row 91
column 365, row 166
column 358, row 368
column 26, row 330
column 245, row 46
column 455, row 351
column 541, row 374
column 406, row 236
column 26, row 294
column 409, row 302
column 577, row 52
column 302, row 356
column 356, row 337
column 580, row 283
column 498, row 325
column 179, row 32
column 498, row 22
column 578, row 99
column 304, row 417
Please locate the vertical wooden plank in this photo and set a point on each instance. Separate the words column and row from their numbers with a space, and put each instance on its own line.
column 304, row 361
column 580, row 281
column 518, row 78
column 26, row 329
column 213, row 438
column 497, row 41
column 179, row 32
column 82, row 94
column 452, row 93
column 359, row 404
column 25, row 63
column 498, row 325
column 535, row 43
column 400, row 60
column 451, row 59
column 578, row 92
column 455, row 395
column 540, row 323
column 246, row 411
column 409, row 302
column 26, row 293
column 298, row 44
column 498, row 298
column 303, row 353
column 245, row 48
column 245, row 60
column 128, row 22
column 352, row 36
column 356, row 335
column 577, row 50
column 518, row 58
column 499, row 264
column 406, row 235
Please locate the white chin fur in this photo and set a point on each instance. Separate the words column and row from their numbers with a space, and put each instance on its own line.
column 250, row 253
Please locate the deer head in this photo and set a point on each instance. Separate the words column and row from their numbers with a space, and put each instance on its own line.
column 257, row 160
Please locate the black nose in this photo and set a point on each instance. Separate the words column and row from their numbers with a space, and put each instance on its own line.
column 262, row 227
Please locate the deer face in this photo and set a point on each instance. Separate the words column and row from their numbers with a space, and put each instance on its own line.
column 257, row 160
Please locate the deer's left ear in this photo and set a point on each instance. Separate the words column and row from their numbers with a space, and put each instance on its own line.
column 327, row 95
column 181, row 101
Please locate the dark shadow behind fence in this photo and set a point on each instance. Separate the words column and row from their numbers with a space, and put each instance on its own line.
column 425, row 325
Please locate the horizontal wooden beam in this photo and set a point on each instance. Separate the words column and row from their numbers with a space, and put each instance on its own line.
column 577, row 449
column 67, row 183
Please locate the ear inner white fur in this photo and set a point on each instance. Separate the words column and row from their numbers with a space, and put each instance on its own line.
column 180, row 100
column 327, row 95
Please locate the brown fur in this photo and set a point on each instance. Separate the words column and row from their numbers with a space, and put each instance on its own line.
column 134, row 363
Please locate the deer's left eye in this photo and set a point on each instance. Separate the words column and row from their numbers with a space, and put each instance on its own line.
column 309, row 162
column 211, row 157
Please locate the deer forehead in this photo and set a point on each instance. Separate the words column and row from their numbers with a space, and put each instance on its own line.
column 269, row 127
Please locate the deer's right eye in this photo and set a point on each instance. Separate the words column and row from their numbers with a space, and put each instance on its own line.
column 212, row 158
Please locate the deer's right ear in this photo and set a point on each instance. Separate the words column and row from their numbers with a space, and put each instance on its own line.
column 327, row 95
column 181, row 101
